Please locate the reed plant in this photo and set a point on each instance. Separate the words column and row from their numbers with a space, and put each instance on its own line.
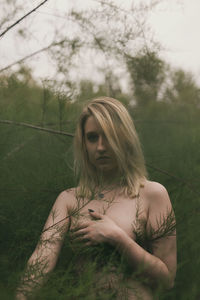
column 36, row 166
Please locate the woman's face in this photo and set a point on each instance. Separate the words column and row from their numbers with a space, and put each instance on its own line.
column 99, row 153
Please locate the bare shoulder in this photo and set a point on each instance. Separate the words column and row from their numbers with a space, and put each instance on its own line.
column 159, row 207
column 67, row 198
column 156, row 195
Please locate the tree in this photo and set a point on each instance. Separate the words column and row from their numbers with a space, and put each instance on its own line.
column 183, row 89
column 83, row 41
column 147, row 73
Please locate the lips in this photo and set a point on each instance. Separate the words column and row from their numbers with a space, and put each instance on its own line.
column 103, row 158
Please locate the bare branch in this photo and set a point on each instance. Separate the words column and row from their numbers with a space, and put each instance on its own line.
column 22, row 18
column 17, row 148
column 33, row 54
column 25, row 58
column 72, row 135
column 36, row 127
column 8, row 15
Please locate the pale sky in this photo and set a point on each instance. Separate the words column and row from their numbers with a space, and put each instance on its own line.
column 175, row 23
column 178, row 30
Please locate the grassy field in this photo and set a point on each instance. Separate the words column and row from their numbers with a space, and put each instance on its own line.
column 36, row 166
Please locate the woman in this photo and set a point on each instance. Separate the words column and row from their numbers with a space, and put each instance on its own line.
column 114, row 206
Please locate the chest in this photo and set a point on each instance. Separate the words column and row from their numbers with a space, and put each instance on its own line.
column 123, row 211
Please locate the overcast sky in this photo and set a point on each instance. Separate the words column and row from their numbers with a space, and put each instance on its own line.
column 175, row 23
column 178, row 30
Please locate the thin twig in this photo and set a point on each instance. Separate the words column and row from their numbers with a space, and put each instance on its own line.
column 17, row 148
column 36, row 127
column 25, row 58
column 30, row 55
column 72, row 135
column 175, row 177
column 22, row 18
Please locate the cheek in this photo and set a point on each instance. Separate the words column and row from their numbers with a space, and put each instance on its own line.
column 90, row 152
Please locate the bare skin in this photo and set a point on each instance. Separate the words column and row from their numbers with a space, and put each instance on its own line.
column 112, row 221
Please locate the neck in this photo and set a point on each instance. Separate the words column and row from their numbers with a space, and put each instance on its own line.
column 108, row 180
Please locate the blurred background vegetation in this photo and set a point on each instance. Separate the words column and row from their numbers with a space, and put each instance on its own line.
column 37, row 165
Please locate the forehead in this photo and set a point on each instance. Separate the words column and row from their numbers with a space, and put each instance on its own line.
column 92, row 125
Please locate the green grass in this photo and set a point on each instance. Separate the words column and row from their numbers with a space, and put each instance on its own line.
column 36, row 166
column 170, row 137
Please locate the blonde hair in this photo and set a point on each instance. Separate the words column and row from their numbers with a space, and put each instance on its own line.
column 120, row 132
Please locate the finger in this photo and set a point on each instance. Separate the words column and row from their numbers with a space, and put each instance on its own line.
column 95, row 215
column 82, row 240
column 79, row 232
column 80, row 226
column 90, row 243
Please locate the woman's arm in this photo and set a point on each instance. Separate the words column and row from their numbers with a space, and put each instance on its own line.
column 45, row 255
column 159, row 265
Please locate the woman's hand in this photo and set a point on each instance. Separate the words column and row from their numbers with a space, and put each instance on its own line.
column 99, row 229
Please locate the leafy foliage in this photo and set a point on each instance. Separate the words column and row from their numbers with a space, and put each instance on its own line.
column 36, row 166
column 147, row 73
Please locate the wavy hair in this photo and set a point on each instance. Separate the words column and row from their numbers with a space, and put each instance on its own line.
column 122, row 137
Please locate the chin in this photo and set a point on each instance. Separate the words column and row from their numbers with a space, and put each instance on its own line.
column 106, row 169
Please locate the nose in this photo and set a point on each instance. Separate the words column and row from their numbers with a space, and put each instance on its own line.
column 101, row 146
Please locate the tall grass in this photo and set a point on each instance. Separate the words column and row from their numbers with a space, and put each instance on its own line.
column 36, row 166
